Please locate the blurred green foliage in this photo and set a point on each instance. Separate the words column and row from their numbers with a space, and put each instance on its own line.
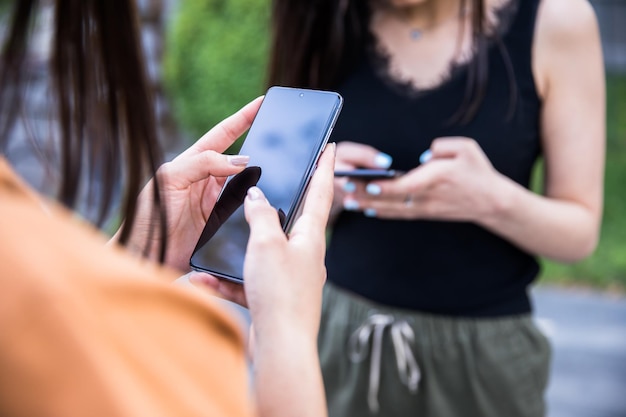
column 616, row 111
column 606, row 268
column 4, row 8
column 215, row 58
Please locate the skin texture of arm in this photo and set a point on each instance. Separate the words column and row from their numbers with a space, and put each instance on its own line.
column 459, row 183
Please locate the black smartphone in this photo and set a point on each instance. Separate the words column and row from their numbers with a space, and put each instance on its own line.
column 372, row 174
column 284, row 143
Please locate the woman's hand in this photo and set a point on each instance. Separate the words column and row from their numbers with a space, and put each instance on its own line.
column 351, row 155
column 300, row 255
column 457, row 183
column 190, row 185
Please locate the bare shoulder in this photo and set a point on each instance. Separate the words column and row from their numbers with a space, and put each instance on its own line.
column 565, row 21
column 566, row 35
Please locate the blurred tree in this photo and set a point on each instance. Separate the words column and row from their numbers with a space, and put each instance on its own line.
column 214, row 61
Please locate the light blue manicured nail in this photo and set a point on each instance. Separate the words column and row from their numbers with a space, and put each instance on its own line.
column 351, row 205
column 349, row 187
column 370, row 212
column 426, row 156
column 372, row 189
column 382, row 160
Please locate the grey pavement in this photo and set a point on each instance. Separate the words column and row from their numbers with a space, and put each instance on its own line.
column 587, row 331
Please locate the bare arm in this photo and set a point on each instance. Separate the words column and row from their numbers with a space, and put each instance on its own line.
column 563, row 225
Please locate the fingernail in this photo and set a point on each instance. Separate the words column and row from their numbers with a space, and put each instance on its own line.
column 370, row 212
column 254, row 193
column 426, row 156
column 351, row 205
column 373, row 189
column 349, row 187
column 383, row 160
column 239, row 160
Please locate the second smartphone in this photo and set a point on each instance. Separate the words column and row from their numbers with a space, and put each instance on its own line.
column 284, row 143
column 369, row 174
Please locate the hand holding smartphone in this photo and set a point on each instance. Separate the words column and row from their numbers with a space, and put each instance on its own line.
column 377, row 174
column 284, row 143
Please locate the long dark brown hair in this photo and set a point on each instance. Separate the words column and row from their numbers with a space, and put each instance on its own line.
column 316, row 43
column 102, row 97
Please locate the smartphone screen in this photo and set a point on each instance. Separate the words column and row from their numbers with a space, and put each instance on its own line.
column 284, row 143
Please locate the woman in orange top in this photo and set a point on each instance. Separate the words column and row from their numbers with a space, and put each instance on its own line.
column 91, row 329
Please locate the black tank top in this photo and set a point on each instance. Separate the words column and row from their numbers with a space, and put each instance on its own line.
column 451, row 268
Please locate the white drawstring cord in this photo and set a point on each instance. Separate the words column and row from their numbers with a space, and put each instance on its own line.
column 401, row 336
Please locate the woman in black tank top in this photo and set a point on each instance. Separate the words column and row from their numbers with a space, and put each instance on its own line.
column 427, row 310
